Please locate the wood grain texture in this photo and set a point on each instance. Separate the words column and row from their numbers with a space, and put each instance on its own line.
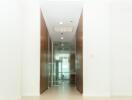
column 79, row 56
column 43, row 56
column 72, row 68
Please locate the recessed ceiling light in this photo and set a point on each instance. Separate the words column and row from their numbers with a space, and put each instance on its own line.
column 62, row 38
column 63, row 29
column 60, row 23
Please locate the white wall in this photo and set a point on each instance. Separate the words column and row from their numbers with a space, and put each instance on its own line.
column 121, row 29
column 10, row 50
column 96, row 49
column 107, row 48
column 31, row 48
column 20, row 48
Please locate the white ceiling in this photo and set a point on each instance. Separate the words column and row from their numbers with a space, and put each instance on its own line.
column 67, row 12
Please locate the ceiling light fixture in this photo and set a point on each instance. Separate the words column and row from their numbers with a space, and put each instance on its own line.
column 63, row 29
column 60, row 23
column 62, row 38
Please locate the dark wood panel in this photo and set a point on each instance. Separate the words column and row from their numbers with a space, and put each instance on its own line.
column 79, row 56
column 43, row 56
column 72, row 68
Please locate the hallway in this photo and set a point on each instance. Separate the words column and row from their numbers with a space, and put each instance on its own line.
column 44, row 43
column 61, row 45
column 63, row 92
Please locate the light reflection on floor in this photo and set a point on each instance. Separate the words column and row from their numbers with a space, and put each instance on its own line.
column 69, row 92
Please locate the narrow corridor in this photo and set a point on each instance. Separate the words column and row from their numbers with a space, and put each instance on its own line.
column 63, row 92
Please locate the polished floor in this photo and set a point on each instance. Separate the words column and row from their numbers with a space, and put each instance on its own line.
column 67, row 92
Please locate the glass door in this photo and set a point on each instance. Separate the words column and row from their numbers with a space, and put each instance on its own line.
column 61, row 70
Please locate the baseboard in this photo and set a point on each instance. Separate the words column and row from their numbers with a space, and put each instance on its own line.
column 121, row 94
column 10, row 98
column 97, row 94
column 31, row 94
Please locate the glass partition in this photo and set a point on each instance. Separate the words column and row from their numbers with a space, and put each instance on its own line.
column 61, row 69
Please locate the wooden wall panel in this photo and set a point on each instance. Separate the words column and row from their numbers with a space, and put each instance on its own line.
column 72, row 68
column 43, row 56
column 79, row 56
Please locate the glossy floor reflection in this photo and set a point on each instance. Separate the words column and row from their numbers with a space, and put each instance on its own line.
column 66, row 92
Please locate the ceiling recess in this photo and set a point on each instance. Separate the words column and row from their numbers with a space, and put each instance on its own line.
column 63, row 29
column 61, row 16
